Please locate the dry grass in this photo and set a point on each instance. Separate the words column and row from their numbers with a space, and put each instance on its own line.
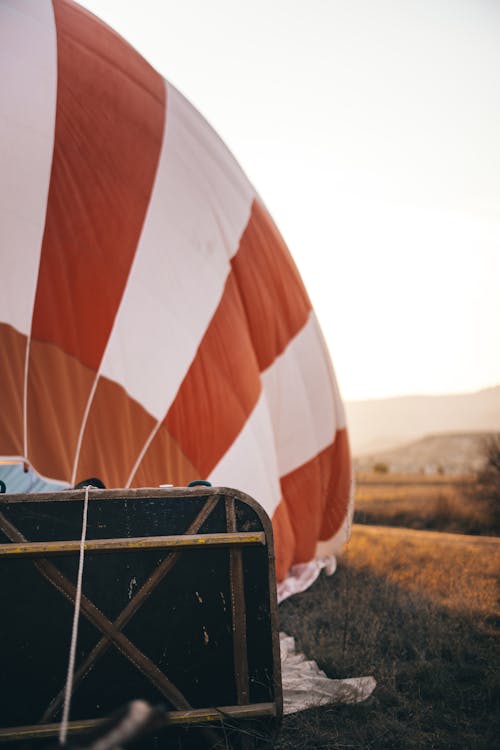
column 458, row 572
column 365, row 477
column 419, row 611
column 440, row 504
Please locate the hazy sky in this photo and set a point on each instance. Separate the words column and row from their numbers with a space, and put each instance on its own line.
column 371, row 130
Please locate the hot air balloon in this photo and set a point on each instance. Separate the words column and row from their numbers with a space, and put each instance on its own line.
column 153, row 326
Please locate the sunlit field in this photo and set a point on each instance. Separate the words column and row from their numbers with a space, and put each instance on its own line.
column 437, row 503
column 456, row 571
column 419, row 611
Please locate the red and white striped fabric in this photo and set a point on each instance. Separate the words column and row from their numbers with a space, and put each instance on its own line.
column 153, row 325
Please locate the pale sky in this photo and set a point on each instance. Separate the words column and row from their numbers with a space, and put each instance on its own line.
column 371, row 130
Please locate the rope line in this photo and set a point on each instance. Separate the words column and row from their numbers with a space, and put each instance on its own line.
column 63, row 731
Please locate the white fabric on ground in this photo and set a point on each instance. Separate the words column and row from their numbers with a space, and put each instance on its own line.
column 306, row 686
column 301, row 576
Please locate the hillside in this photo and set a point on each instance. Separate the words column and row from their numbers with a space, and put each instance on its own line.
column 383, row 424
column 450, row 453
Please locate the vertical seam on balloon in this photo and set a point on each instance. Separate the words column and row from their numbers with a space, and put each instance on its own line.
column 142, row 453
column 25, row 392
column 28, row 337
column 83, row 425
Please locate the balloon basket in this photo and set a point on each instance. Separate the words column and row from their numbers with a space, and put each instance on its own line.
column 177, row 618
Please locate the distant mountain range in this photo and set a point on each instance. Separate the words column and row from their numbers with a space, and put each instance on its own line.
column 378, row 426
column 448, row 453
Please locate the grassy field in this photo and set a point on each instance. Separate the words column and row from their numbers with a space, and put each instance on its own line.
column 436, row 503
column 419, row 611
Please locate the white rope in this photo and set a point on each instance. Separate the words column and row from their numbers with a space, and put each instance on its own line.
column 63, row 731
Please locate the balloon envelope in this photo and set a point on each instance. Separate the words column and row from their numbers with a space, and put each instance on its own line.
column 153, row 326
